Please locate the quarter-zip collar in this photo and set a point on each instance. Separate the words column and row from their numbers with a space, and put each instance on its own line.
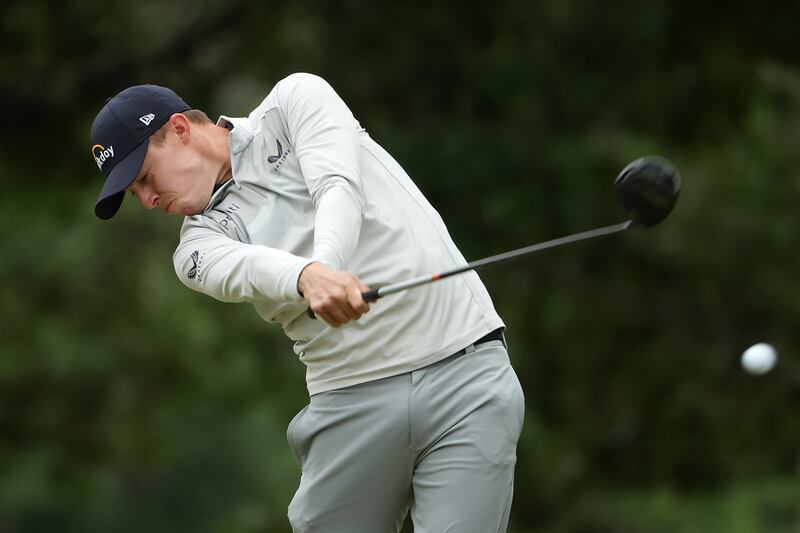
column 239, row 138
column 218, row 195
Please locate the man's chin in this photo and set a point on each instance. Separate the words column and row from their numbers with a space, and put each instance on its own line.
column 181, row 210
column 187, row 211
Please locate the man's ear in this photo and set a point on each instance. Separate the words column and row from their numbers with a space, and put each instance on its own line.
column 181, row 125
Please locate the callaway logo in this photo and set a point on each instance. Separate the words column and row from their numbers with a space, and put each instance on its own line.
column 101, row 154
column 274, row 158
column 147, row 119
column 195, row 260
column 278, row 158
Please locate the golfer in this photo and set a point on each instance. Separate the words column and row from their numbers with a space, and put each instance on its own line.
column 413, row 403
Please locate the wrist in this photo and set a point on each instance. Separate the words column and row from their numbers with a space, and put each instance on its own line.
column 303, row 278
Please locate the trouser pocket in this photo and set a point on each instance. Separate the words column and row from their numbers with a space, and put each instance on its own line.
column 291, row 436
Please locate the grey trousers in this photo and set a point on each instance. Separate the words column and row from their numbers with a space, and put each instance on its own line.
column 440, row 441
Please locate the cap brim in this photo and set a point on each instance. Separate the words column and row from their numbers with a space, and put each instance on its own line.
column 120, row 177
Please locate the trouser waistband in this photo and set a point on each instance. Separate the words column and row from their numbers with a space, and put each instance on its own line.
column 496, row 335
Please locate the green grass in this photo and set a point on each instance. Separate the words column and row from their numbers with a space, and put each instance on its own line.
column 757, row 506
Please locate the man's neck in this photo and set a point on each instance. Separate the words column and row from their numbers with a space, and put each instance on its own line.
column 222, row 153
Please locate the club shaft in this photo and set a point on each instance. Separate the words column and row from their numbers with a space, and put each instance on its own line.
column 494, row 260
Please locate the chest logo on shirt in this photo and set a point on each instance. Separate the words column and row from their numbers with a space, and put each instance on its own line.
column 274, row 158
column 228, row 218
column 279, row 158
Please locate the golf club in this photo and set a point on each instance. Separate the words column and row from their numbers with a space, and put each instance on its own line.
column 647, row 189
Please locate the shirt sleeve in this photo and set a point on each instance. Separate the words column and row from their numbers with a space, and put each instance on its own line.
column 231, row 271
column 325, row 139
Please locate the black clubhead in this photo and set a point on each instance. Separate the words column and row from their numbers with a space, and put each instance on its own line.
column 648, row 189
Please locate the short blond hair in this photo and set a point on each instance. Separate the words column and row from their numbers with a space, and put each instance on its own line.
column 195, row 116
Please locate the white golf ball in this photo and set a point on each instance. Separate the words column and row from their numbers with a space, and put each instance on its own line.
column 759, row 358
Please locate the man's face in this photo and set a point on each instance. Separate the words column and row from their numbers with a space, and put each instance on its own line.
column 175, row 176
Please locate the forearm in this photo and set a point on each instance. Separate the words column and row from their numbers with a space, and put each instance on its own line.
column 231, row 271
column 325, row 137
column 337, row 227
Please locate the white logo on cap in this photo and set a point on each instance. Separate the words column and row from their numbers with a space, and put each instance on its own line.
column 147, row 119
column 102, row 154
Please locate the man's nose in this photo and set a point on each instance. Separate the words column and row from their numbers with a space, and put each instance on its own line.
column 148, row 198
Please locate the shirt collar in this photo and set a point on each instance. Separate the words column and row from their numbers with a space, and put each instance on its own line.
column 239, row 138
column 219, row 194
column 240, row 135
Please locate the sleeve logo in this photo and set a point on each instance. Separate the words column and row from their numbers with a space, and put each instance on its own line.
column 195, row 263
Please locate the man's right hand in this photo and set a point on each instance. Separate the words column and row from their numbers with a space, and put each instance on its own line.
column 333, row 295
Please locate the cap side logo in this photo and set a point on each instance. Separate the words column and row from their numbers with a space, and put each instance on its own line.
column 102, row 154
column 147, row 119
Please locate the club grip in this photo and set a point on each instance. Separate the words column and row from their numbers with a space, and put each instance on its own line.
column 369, row 297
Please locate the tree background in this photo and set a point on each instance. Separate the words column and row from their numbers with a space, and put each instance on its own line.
column 129, row 403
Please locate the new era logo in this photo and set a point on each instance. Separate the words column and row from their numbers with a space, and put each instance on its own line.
column 147, row 119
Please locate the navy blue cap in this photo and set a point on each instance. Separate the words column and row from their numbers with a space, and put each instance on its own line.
column 120, row 136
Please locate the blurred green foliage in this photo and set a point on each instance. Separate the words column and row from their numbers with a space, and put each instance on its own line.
column 128, row 403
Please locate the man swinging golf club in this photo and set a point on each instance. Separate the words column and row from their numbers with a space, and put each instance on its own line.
column 413, row 403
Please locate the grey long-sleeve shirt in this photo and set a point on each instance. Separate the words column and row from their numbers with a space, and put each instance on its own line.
column 310, row 184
